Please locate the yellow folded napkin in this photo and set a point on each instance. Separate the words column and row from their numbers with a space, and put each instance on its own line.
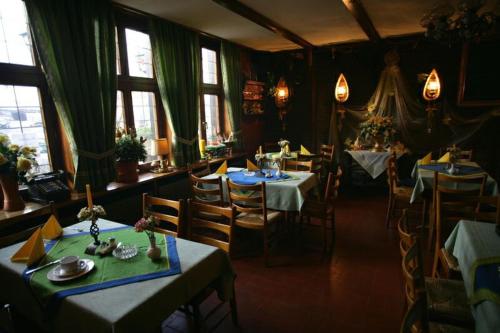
column 304, row 151
column 31, row 251
column 426, row 159
column 251, row 166
column 222, row 170
column 52, row 229
column 445, row 158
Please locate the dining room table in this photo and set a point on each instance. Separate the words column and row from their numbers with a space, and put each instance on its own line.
column 477, row 249
column 424, row 177
column 373, row 162
column 133, row 302
column 284, row 193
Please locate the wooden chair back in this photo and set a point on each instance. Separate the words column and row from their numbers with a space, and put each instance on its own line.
column 316, row 159
column 200, row 168
column 332, row 185
column 416, row 319
column 250, row 199
column 211, row 225
column 208, row 191
column 160, row 209
column 291, row 165
column 327, row 153
column 406, row 237
column 413, row 273
column 392, row 175
column 464, row 155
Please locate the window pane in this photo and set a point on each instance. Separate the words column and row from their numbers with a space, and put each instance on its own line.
column 209, row 63
column 118, row 61
column 144, row 106
column 139, row 54
column 21, row 119
column 211, row 117
column 15, row 40
column 120, row 113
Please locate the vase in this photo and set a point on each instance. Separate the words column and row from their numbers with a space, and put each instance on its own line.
column 378, row 145
column 12, row 200
column 127, row 171
column 153, row 252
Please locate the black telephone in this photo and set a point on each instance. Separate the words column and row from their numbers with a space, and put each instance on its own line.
column 48, row 187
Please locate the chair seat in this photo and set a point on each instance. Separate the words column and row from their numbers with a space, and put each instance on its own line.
column 444, row 328
column 256, row 221
column 447, row 301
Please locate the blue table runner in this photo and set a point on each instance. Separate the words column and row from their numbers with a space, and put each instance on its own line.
column 460, row 169
column 239, row 177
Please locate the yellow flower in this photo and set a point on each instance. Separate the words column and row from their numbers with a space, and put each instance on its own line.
column 23, row 164
column 3, row 159
column 14, row 148
column 4, row 140
column 27, row 150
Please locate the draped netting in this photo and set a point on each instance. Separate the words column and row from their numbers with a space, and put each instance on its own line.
column 394, row 98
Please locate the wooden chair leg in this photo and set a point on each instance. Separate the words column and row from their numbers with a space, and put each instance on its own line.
column 435, row 264
column 432, row 223
column 234, row 309
column 266, row 249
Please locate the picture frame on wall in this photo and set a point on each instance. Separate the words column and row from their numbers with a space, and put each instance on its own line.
column 479, row 77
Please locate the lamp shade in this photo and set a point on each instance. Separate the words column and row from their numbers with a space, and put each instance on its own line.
column 282, row 93
column 432, row 88
column 341, row 89
column 159, row 147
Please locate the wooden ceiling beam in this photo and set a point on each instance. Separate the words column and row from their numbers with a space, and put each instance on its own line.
column 356, row 8
column 250, row 14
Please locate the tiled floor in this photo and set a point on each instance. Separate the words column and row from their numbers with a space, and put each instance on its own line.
column 359, row 289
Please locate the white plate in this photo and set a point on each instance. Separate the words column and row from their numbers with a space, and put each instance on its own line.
column 55, row 275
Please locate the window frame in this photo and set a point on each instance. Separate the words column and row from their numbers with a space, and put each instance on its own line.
column 127, row 84
column 211, row 89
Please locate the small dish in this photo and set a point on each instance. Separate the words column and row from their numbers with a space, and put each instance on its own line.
column 56, row 275
column 125, row 251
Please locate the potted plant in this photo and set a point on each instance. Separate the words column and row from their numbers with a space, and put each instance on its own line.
column 378, row 129
column 15, row 163
column 129, row 151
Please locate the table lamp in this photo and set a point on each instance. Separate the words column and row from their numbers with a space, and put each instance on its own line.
column 159, row 147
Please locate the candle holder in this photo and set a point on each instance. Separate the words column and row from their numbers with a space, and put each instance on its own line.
column 92, row 215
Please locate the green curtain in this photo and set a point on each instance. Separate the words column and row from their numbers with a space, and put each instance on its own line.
column 233, row 90
column 75, row 40
column 176, row 59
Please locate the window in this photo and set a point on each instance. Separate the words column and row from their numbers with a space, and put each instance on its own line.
column 21, row 119
column 211, row 119
column 15, row 40
column 140, row 62
column 138, row 99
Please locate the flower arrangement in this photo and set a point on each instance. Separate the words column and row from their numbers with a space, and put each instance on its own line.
column 129, row 147
column 15, row 159
column 91, row 214
column 147, row 225
column 377, row 126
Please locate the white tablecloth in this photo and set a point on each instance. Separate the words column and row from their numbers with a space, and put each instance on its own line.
column 469, row 242
column 287, row 195
column 425, row 179
column 135, row 307
column 375, row 163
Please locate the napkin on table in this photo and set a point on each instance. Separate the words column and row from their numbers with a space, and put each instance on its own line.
column 52, row 229
column 426, row 159
column 445, row 158
column 304, row 151
column 251, row 166
column 31, row 251
column 222, row 170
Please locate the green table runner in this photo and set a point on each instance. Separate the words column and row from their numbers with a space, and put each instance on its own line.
column 108, row 271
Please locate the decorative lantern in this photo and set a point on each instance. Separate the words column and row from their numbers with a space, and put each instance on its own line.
column 281, row 99
column 431, row 92
column 341, row 95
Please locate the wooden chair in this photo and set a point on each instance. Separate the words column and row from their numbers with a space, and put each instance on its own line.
column 250, row 202
column 327, row 153
column 317, row 162
column 208, row 191
column 452, row 205
column 488, row 210
column 446, row 300
column 291, row 165
column 324, row 209
column 406, row 237
column 465, row 155
column 398, row 195
column 416, row 320
column 200, row 168
column 161, row 209
column 218, row 232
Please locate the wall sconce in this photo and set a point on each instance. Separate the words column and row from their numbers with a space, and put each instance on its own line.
column 281, row 98
column 341, row 94
column 431, row 92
